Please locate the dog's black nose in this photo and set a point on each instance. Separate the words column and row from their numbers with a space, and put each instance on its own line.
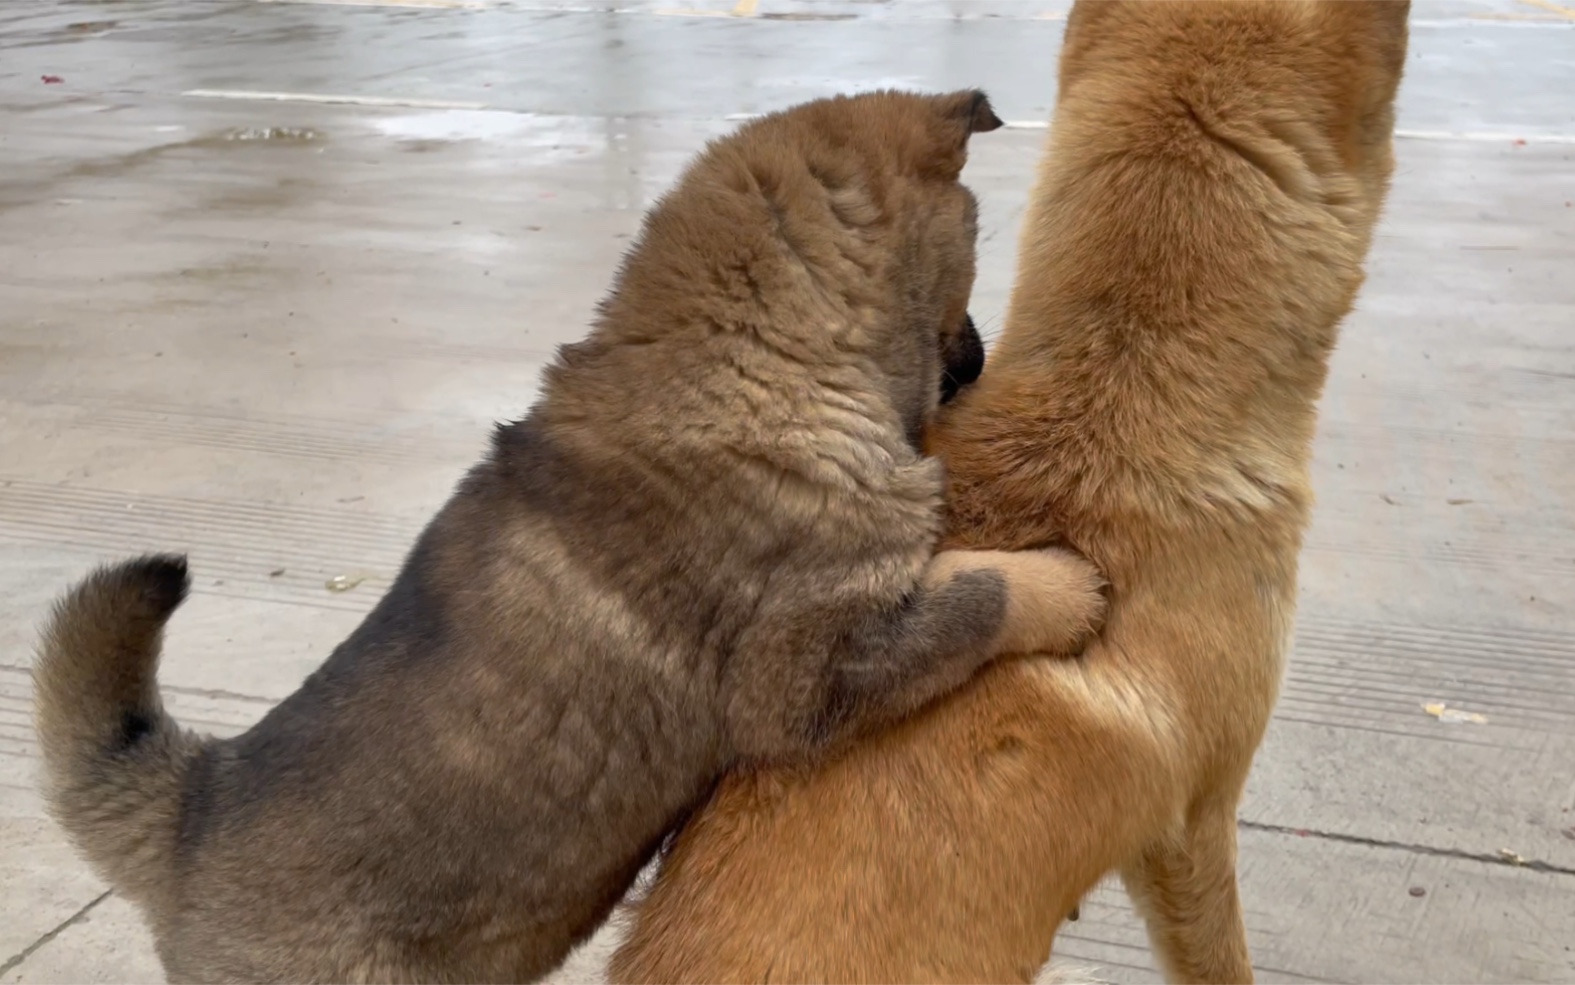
column 964, row 359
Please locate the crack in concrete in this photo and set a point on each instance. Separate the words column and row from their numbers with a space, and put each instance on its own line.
column 28, row 951
column 1491, row 858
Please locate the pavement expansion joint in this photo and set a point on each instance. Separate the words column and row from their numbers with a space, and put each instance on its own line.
column 1505, row 857
column 27, row 952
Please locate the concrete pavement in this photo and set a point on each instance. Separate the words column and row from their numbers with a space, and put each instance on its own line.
column 268, row 270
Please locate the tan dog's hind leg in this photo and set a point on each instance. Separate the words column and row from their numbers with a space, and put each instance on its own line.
column 1186, row 890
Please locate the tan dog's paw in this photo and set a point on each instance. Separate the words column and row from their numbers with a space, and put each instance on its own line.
column 1056, row 601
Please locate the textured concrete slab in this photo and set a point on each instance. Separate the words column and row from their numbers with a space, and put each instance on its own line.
column 270, row 269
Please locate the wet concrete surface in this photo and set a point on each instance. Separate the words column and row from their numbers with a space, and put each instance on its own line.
column 269, row 270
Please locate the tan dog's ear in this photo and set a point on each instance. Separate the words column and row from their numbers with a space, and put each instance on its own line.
column 1084, row 29
column 1085, row 14
column 1393, row 22
column 1382, row 23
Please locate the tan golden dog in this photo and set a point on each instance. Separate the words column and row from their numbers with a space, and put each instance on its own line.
column 1196, row 235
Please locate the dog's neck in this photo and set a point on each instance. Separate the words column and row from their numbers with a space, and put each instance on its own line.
column 1154, row 367
column 1169, row 333
column 733, row 405
column 1084, row 433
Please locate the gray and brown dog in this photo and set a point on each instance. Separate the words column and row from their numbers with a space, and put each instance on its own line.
column 711, row 541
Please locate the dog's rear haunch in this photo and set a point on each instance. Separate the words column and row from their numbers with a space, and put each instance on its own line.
column 1195, row 237
column 711, row 540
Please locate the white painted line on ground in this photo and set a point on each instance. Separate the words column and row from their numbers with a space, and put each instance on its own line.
column 1399, row 134
column 318, row 97
column 1542, row 21
column 1478, row 137
column 1552, row 17
column 1463, row 136
column 1475, row 21
column 417, row 4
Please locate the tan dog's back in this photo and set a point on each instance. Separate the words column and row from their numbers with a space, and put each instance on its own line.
column 1195, row 236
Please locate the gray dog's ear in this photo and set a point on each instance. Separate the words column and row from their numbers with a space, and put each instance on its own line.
column 973, row 106
column 970, row 107
column 957, row 116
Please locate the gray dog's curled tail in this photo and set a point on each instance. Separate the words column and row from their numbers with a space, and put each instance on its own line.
column 114, row 760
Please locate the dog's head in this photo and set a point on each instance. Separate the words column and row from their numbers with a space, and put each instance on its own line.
column 836, row 236
column 866, row 210
column 1234, row 152
column 1318, row 77
column 1200, row 226
column 885, row 167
